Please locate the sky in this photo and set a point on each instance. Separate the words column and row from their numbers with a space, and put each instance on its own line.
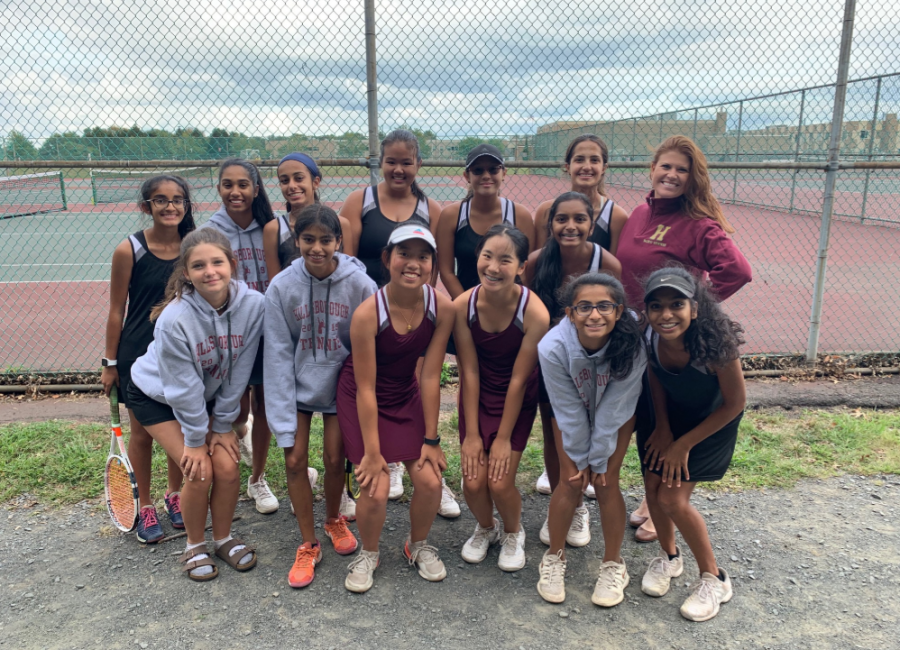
column 265, row 67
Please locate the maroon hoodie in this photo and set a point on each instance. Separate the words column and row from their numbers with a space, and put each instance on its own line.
column 660, row 232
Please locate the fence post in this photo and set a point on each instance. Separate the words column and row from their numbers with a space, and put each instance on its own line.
column 834, row 151
column 865, row 193
column 797, row 148
column 633, row 146
column 694, row 138
column 737, row 150
column 372, row 92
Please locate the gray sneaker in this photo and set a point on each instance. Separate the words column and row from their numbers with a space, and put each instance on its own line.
column 610, row 588
column 660, row 573
column 476, row 547
column 426, row 559
column 706, row 595
column 362, row 572
column 512, row 551
column 552, row 584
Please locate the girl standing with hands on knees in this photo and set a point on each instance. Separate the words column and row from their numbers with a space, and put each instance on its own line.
column 141, row 267
column 592, row 361
column 244, row 213
column 587, row 159
column 385, row 413
column 308, row 311
column 498, row 326
column 186, row 391
column 568, row 253
column 698, row 398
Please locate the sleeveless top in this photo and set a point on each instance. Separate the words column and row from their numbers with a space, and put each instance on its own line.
column 467, row 241
column 376, row 230
column 149, row 276
column 287, row 251
column 601, row 234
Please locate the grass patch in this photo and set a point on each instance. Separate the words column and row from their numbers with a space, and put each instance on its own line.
column 61, row 462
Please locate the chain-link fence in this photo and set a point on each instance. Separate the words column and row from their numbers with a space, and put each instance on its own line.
column 95, row 96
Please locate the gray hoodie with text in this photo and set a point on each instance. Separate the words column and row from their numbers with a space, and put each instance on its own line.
column 247, row 244
column 588, row 404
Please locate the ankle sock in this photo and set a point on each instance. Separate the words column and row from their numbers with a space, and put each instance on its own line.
column 200, row 570
column 721, row 575
column 672, row 557
column 237, row 549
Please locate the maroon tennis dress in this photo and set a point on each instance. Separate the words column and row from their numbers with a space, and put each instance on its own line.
column 497, row 354
column 401, row 420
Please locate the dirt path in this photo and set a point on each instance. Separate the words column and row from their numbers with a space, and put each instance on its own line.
column 813, row 567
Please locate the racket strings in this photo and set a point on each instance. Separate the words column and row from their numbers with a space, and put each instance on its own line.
column 120, row 493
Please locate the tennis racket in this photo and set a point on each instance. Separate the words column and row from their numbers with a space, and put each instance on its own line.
column 118, row 479
column 351, row 485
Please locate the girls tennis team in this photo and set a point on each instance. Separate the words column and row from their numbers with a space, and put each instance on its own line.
column 609, row 325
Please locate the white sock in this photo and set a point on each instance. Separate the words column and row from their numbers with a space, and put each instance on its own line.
column 200, row 570
column 237, row 549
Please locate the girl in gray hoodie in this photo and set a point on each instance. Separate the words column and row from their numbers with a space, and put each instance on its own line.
column 592, row 362
column 308, row 310
column 186, row 390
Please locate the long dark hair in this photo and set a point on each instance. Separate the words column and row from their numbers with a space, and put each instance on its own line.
column 604, row 153
column 317, row 214
column 516, row 236
column 150, row 185
column 712, row 338
column 410, row 140
column 313, row 173
column 625, row 341
column 386, row 253
column 548, row 268
column 261, row 206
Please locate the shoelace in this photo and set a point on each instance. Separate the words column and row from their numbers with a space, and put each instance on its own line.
column 659, row 566
column 704, row 590
column 397, row 472
column 609, row 576
column 307, row 556
column 509, row 541
column 446, row 495
column 553, row 568
column 148, row 517
column 262, row 489
column 429, row 553
column 175, row 504
column 339, row 528
column 363, row 563
column 578, row 520
column 481, row 535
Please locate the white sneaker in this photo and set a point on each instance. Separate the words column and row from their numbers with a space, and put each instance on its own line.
column 512, row 551
column 362, row 572
column 348, row 506
column 580, row 530
column 545, row 532
column 260, row 492
column 660, row 573
column 543, row 484
column 396, row 490
column 476, row 547
column 245, row 441
column 552, row 584
column 426, row 559
column 313, row 475
column 706, row 595
column 589, row 491
column 610, row 588
column 449, row 507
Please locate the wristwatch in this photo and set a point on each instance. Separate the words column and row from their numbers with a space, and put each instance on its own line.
column 434, row 442
column 108, row 363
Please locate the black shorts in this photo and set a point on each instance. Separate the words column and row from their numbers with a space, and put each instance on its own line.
column 147, row 411
column 256, row 376
column 124, row 368
column 543, row 396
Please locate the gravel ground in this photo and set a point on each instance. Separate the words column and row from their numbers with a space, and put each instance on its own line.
column 813, row 567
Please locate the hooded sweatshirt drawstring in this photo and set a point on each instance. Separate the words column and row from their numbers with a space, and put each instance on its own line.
column 312, row 322
column 327, row 314
column 230, row 355
column 259, row 280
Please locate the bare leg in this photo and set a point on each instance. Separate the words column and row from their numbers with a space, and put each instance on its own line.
column 140, row 453
column 676, row 503
column 333, row 458
column 565, row 499
column 610, row 501
column 478, row 497
column 225, row 489
column 296, row 462
column 261, row 434
column 665, row 527
column 425, row 501
column 507, row 497
column 371, row 512
column 551, row 456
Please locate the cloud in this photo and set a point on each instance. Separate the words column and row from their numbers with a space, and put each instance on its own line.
column 267, row 67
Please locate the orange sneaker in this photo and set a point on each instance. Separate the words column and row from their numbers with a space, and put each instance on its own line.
column 344, row 541
column 304, row 569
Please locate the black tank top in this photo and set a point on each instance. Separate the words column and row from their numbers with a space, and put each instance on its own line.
column 287, row 251
column 149, row 275
column 376, row 230
column 467, row 241
column 601, row 234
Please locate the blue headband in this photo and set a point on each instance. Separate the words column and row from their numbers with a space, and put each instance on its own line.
column 306, row 160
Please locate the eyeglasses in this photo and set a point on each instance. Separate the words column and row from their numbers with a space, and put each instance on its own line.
column 162, row 203
column 587, row 308
column 479, row 171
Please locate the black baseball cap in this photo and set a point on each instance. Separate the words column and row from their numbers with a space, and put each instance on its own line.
column 483, row 150
column 682, row 285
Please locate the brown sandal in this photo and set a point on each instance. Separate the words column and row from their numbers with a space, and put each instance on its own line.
column 232, row 560
column 636, row 521
column 190, row 564
column 643, row 536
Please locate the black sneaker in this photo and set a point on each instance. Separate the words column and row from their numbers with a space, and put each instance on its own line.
column 148, row 529
column 173, row 509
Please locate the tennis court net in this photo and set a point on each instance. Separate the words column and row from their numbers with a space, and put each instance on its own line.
column 32, row 194
column 123, row 186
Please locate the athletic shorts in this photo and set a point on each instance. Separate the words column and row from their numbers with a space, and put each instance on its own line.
column 147, row 411
column 124, row 368
column 256, row 376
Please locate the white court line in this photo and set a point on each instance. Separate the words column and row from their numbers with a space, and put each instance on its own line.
column 4, row 266
column 52, row 281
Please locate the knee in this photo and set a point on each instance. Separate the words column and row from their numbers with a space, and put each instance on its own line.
column 473, row 487
column 669, row 500
column 504, row 487
column 429, row 485
column 225, row 470
column 568, row 489
column 334, row 462
column 296, row 463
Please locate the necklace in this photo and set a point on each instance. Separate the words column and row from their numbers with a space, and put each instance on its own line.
column 224, row 305
column 411, row 318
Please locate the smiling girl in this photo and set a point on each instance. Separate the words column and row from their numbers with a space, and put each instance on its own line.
column 141, row 267
column 308, row 311
column 689, row 435
column 567, row 254
column 387, row 415
column 498, row 326
column 592, row 361
column 186, row 390
column 587, row 159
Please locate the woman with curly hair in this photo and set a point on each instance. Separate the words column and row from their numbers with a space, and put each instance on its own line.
column 689, row 435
